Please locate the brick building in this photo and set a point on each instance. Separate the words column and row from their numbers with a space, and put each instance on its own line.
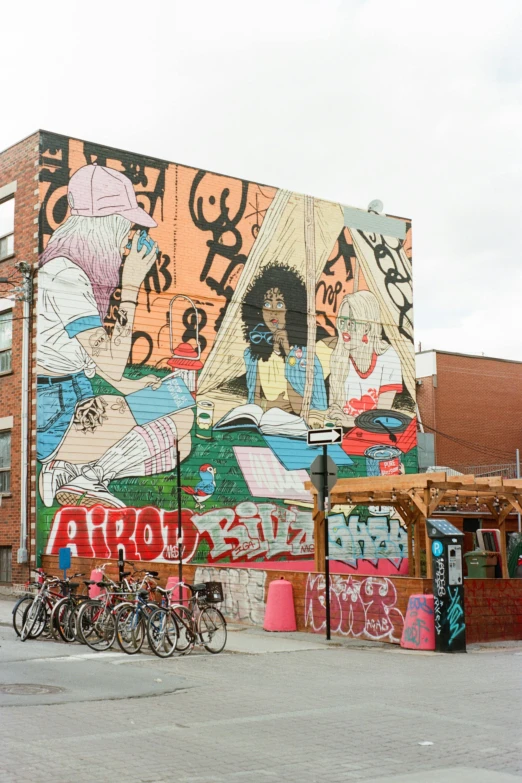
column 236, row 301
column 19, row 201
column 471, row 411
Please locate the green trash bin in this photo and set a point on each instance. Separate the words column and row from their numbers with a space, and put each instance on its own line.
column 481, row 564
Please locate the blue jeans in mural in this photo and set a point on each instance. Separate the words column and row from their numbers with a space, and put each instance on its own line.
column 56, row 399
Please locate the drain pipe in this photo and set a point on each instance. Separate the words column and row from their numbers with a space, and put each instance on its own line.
column 26, row 291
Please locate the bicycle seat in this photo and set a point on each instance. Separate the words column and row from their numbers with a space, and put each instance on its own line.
column 100, row 584
column 73, row 586
column 199, row 588
column 126, row 573
column 153, row 573
column 89, row 582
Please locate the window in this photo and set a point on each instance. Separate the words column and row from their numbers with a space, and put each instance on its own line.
column 6, row 340
column 5, row 461
column 7, row 228
column 5, row 564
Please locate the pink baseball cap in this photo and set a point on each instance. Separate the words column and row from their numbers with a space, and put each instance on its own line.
column 96, row 191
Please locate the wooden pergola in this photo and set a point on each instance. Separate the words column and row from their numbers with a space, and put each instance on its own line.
column 416, row 497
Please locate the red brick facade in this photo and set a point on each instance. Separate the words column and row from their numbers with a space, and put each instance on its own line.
column 477, row 402
column 18, row 163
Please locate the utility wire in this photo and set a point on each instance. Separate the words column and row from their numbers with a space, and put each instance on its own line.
column 473, row 446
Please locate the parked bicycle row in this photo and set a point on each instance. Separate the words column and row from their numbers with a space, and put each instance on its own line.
column 130, row 612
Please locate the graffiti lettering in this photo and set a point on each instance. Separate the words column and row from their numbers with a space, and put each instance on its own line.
column 379, row 537
column 250, row 531
column 244, row 591
column 397, row 278
column 418, row 626
column 455, row 613
column 254, row 530
column 226, row 238
column 143, row 533
column 440, row 577
column 358, row 607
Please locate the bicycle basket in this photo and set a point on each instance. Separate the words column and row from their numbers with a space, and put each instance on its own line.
column 214, row 592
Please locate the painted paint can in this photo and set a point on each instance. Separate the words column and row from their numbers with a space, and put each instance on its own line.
column 383, row 461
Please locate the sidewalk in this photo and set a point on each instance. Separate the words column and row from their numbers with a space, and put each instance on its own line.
column 253, row 640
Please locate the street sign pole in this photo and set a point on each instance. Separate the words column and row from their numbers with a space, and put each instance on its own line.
column 323, row 475
column 326, row 506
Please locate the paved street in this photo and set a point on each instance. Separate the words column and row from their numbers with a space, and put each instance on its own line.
column 278, row 708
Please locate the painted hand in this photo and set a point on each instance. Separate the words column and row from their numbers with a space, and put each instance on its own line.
column 138, row 264
column 281, row 341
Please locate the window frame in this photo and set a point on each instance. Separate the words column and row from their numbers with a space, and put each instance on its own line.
column 10, row 349
column 10, row 197
column 7, row 493
column 6, row 548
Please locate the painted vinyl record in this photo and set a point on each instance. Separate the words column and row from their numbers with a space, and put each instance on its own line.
column 380, row 420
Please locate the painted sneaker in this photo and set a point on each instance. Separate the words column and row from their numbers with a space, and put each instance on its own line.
column 55, row 474
column 88, row 489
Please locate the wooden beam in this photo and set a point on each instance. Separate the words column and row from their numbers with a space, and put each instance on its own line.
column 503, row 548
column 417, row 548
column 411, row 566
column 434, row 503
column 389, row 483
column 427, row 498
column 419, row 503
column 515, row 501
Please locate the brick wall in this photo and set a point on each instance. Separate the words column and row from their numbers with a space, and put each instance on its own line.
column 493, row 610
column 368, row 608
column 477, row 400
column 18, row 163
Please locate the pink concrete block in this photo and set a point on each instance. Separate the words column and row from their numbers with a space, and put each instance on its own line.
column 280, row 611
column 94, row 590
column 172, row 581
column 419, row 625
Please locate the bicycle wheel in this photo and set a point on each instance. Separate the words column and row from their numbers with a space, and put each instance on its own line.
column 186, row 638
column 34, row 620
column 18, row 612
column 130, row 629
column 81, row 628
column 212, row 629
column 162, row 632
column 61, row 619
column 98, row 625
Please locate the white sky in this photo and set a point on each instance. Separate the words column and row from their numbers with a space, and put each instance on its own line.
column 417, row 103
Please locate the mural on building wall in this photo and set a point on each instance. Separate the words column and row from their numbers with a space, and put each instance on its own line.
column 184, row 315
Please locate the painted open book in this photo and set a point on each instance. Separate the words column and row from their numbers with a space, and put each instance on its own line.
column 272, row 422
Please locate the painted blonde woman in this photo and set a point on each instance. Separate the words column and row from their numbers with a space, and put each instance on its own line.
column 365, row 370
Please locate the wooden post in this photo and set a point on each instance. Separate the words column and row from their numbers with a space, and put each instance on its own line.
column 417, row 548
column 427, row 498
column 410, row 549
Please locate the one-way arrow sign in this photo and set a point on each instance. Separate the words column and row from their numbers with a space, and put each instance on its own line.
column 324, row 437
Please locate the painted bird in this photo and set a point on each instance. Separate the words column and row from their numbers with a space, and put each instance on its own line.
column 206, row 487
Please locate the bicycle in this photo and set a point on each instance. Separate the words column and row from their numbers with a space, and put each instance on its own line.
column 63, row 611
column 95, row 621
column 24, row 601
column 132, row 617
column 38, row 613
column 178, row 627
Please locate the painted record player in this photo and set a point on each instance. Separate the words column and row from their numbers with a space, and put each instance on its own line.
column 381, row 428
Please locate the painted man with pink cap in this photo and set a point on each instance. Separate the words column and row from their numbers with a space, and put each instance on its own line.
column 84, row 441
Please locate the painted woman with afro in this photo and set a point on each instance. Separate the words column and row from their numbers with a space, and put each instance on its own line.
column 275, row 328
